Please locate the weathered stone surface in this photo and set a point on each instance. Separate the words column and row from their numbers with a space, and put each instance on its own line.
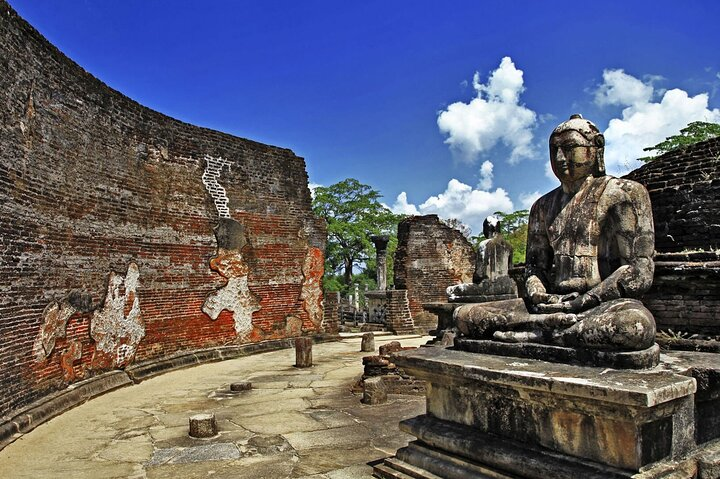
column 645, row 358
column 303, row 352
column 491, row 281
column 241, row 386
column 367, row 344
column 374, row 391
column 620, row 418
column 590, row 247
column 203, row 425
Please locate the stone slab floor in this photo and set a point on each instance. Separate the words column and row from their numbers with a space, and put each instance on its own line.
column 295, row 423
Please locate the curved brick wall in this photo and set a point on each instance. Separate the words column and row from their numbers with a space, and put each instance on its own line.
column 125, row 232
column 684, row 187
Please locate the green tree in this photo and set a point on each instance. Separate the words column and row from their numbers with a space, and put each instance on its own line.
column 353, row 212
column 694, row 132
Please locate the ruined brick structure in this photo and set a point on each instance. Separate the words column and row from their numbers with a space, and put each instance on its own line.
column 684, row 187
column 129, row 236
column 430, row 257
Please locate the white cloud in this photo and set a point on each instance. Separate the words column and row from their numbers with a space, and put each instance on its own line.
column 486, row 175
column 527, row 199
column 312, row 187
column 644, row 122
column 402, row 207
column 461, row 201
column 619, row 88
column 494, row 115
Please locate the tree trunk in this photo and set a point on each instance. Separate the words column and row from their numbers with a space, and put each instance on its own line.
column 347, row 274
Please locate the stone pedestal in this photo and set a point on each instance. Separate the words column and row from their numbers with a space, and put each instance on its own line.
column 494, row 416
column 303, row 352
column 444, row 312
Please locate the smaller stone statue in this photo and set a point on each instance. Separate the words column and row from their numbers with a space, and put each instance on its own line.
column 491, row 281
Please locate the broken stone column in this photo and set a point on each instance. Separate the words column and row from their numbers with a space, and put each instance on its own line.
column 203, row 425
column 241, row 386
column 303, row 352
column 381, row 243
column 368, row 342
column 374, row 391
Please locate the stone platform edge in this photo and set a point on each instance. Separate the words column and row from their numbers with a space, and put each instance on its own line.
column 24, row 420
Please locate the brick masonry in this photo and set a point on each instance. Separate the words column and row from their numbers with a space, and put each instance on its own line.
column 684, row 188
column 108, row 224
column 430, row 257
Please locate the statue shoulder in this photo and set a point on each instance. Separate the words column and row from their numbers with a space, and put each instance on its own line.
column 621, row 189
column 545, row 201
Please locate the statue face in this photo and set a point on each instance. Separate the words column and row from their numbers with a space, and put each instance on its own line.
column 572, row 157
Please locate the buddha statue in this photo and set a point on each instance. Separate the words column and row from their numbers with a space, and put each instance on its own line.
column 493, row 261
column 589, row 254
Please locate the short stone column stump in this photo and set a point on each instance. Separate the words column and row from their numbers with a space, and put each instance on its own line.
column 203, row 425
column 368, row 342
column 303, row 352
column 240, row 386
column 374, row 391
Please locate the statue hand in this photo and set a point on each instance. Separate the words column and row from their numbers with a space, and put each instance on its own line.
column 540, row 298
column 570, row 303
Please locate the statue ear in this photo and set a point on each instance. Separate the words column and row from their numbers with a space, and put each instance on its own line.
column 599, row 141
column 600, row 163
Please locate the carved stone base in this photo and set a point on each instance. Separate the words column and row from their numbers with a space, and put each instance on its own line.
column 646, row 358
column 507, row 417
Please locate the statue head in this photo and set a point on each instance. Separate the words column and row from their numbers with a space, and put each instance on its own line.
column 491, row 226
column 577, row 150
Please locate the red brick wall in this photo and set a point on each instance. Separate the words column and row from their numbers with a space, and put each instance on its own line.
column 430, row 257
column 93, row 184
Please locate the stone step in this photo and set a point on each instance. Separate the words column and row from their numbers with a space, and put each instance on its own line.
column 382, row 471
column 409, row 469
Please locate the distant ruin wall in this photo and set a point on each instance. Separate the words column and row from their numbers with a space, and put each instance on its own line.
column 684, row 187
column 126, row 235
column 430, row 257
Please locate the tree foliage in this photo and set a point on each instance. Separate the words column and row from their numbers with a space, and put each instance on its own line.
column 694, row 132
column 353, row 212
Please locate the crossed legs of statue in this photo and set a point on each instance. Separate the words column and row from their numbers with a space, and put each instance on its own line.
column 620, row 324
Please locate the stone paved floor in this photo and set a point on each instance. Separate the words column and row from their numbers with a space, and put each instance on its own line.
column 295, row 423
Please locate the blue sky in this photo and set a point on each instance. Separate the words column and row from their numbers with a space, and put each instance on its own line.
column 450, row 103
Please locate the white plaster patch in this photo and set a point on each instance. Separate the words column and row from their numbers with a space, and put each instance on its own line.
column 55, row 318
column 114, row 331
column 213, row 171
column 235, row 296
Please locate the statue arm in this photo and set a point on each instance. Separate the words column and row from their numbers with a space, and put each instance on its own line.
column 631, row 216
column 539, row 256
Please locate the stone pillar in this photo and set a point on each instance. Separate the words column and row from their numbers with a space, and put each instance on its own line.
column 203, row 425
column 381, row 242
column 356, row 297
column 368, row 342
column 303, row 352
